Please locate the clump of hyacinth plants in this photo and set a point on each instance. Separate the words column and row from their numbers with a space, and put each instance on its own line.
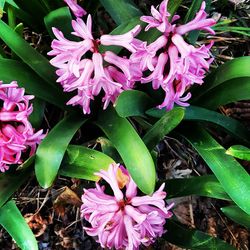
column 174, row 64
column 16, row 133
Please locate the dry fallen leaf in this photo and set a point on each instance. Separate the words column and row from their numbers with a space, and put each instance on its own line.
column 36, row 223
column 67, row 196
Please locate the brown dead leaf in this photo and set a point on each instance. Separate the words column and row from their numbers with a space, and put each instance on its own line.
column 67, row 196
column 36, row 223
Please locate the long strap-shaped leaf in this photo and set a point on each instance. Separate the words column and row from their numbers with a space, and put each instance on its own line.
column 230, row 91
column 61, row 19
column 162, row 127
column 50, row 152
column 193, row 239
column 12, row 220
column 194, row 113
column 29, row 55
column 232, row 176
column 81, row 162
column 237, row 215
column 10, row 182
column 13, row 70
column 207, row 186
column 236, row 68
column 121, row 10
column 133, row 151
column 240, row 152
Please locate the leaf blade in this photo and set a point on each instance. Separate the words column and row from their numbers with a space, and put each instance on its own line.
column 50, row 152
column 131, row 148
column 81, row 162
column 232, row 176
column 12, row 220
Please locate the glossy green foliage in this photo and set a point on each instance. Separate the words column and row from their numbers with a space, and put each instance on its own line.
column 50, row 152
column 133, row 151
column 193, row 239
column 121, row 11
column 206, row 185
column 240, row 152
column 33, row 84
column 81, row 162
column 14, row 223
column 232, row 176
column 61, row 19
column 232, row 78
column 237, row 215
column 132, row 103
column 28, row 54
column 109, row 149
column 162, row 127
column 10, row 182
column 194, row 113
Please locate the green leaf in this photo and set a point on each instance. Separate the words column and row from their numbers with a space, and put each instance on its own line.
column 28, row 54
column 10, row 182
column 109, row 149
column 192, row 10
column 36, row 116
column 61, row 19
column 132, row 103
column 232, row 176
column 236, row 90
column 240, row 152
column 2, row 3
column 121, row 11
column 194, row 113
column 26, row 78
column 81, row 162
column 50, row 152
column 236, row 68
column 207, row 186
column 237, row 215
column 173, row 6
column 162, row 127
column 133, row 151
column 12, row 220
column 34, row 8
column 193, row 239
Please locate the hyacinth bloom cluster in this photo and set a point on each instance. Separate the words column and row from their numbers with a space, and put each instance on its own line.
column 175, row 65
column 16, row 133
column 123, row 220
column 87, row 75
column 169, row 63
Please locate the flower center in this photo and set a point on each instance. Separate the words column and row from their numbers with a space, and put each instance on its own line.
column 123, row 203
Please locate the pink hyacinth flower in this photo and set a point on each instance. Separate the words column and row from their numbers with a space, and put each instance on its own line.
column 83, row 68
column 123, row 220
column 175, row 64
column 76, row 9
column 16, row 133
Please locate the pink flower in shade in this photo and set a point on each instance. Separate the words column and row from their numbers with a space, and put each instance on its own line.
column 92, row 73
column 123, row 220
column 175, row 64
column 76, row 9
column 16, row 133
